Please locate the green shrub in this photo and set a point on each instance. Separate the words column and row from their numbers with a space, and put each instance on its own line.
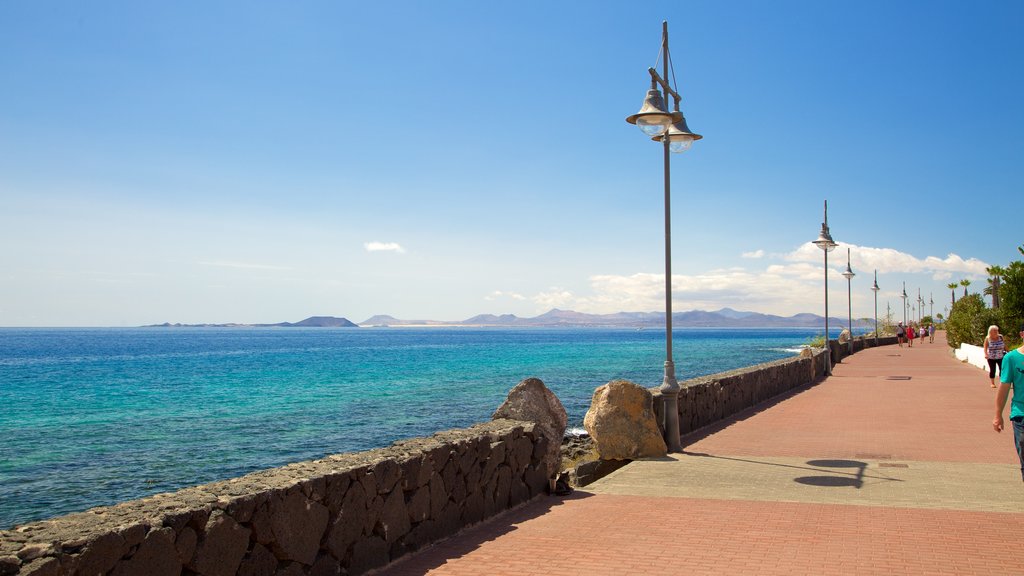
column 969, row 320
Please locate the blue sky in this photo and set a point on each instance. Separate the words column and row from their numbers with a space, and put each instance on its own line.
column 268, row 161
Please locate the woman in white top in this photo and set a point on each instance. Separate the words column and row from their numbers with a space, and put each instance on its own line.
column 994, row 350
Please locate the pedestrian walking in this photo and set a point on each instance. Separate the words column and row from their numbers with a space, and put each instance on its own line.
column 901, row 333
column 1011, row 373
column 931, row 333
column 995, row 349
column 911, row 334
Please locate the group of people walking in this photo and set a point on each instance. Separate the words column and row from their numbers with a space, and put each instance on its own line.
column 910, row 332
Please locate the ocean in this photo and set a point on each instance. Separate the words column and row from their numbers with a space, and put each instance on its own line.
column 92, row 417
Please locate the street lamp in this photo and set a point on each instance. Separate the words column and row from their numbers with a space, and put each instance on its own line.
column 904, row 296
column 827, row 245
column 920, row 307
column 849, row 297
column 671, row 130
column 875, row 289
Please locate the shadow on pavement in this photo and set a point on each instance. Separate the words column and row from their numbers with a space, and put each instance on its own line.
column 472, row 537
column 834, row 478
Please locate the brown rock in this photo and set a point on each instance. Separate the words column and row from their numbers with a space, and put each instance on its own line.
column 100, row 555
column 325, row 565
column 258, row 562
column 531, row 401
column 368, row 554
column 298, row 525
column 621, row 422
column 42, row 567
column 36, row 550
column 348, row 526
column 9, row 565
column 293, row 569
column 156, row 556
column 185, row 544
column 221, row 547
column 419, row 505
column 438, row 496
column 388, row 473
column 393, row 522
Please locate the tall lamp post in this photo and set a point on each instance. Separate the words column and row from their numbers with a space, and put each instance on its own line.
column 827, row 245
column 920, row 307
column 875, row 289
column 904, row 296
column 671, row 130
column 849, row 297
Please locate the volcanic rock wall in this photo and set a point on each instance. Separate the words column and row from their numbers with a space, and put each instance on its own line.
column 343, row 514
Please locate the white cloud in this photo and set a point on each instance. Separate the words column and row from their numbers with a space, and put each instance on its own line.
column 888, row 260
column 384, row 247
column 557, row 298
column 786, row 288
column 753, row 255
column 499, row 294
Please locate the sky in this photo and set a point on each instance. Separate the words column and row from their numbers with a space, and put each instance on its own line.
column 259, row 162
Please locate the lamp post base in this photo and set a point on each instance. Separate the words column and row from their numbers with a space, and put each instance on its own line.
column 670, row 396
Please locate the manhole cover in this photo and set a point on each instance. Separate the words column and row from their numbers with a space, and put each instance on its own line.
column 892, row 465
column 897, row 377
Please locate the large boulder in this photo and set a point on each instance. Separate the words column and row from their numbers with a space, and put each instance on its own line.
column 531, row 401
column 622, row 423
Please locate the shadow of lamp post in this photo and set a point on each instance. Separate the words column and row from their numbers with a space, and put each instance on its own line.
column 827, row 245
column 671, row 130
column 849, row 297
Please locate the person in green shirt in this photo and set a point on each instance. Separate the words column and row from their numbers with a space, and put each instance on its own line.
column 1011, row 375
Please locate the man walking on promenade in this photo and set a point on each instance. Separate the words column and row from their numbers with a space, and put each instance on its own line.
column 1011, row 374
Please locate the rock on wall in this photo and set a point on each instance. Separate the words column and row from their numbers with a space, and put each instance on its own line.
column 343, row 514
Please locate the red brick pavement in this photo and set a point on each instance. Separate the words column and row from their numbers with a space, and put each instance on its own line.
column 942, row 414
column 602, row 534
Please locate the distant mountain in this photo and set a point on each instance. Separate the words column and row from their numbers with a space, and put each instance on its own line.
column 724, row 318
column 311, row 322
column 319, row 322
column 491, row 319
column 730, row 313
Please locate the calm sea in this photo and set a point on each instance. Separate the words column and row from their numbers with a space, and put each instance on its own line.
column 92, row 417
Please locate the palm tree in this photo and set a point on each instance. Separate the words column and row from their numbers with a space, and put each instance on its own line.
column 992, row 289
column 952, row 290
column 965, row 283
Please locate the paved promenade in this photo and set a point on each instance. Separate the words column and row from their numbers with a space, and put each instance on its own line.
column 890, row 466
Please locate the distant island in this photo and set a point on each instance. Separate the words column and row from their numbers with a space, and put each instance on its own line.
column 724, row 318
column 311, row 322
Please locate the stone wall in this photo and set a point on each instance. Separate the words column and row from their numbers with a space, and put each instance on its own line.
column 343, row 514
column 709, row 399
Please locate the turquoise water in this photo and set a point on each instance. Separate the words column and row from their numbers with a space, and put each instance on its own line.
column 95, row 416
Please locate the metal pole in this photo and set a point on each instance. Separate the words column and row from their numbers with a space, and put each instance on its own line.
column 669, row 386
column 828, row 346
column 849, row 310
column 874, row 288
